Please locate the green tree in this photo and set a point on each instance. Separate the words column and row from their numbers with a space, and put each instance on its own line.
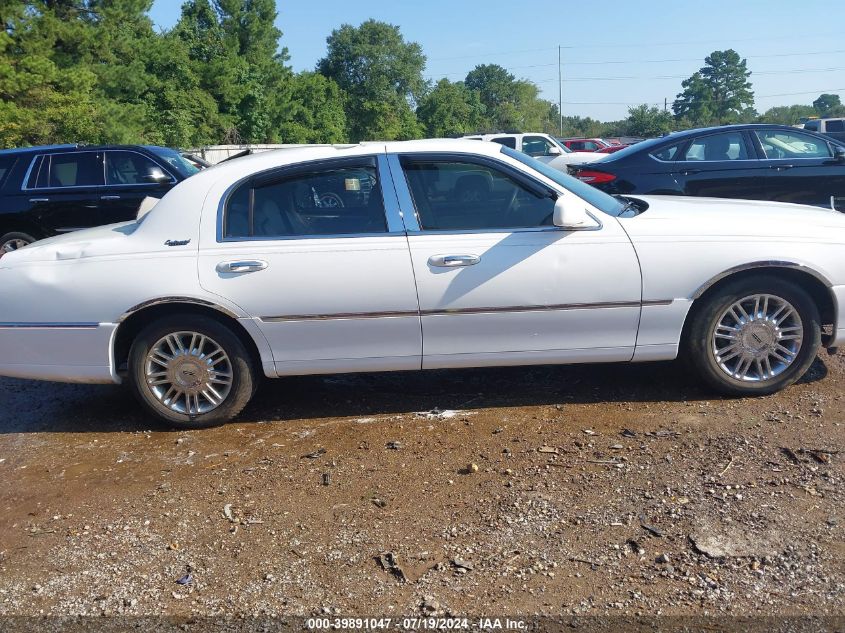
column 316, row 113
column 719, row 92
column 647, row 121
column 381, row 75
column 233, row 48
column 786, row 115
column 828, row 105
column 450, row 109
column 511, row 104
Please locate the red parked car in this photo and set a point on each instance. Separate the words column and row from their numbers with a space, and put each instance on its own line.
column 585, row 144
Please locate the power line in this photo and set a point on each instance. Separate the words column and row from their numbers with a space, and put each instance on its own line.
column 635, row 103
column 638, row 46
column 641, row 78
column 763, row 72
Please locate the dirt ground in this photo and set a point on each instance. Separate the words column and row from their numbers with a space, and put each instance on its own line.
column 588, row 490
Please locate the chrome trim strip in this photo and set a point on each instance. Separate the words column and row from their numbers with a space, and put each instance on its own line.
column 64, row 326
column 327, row 236
column 29, row 172
column 340, row 315
column 754, row 265
column 458, row 311
column 166, row 300
column 388, row 197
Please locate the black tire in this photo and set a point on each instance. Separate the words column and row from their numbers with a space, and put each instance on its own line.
column 698, row 348
column 14, row 236
column 243, row 372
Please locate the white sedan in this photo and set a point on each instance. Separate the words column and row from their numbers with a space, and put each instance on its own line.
column 327, row 260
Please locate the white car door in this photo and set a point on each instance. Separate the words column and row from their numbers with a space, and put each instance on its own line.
column 497, row 283
column 318, row 256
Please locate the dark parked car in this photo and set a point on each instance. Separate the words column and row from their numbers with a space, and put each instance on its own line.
column 755, row 162
column 49, row 190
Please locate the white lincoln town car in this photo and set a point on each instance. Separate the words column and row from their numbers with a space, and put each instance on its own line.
column 417, row 255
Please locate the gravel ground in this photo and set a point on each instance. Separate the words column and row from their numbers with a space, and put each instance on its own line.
column 560, row 491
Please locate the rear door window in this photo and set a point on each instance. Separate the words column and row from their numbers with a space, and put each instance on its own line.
column 717, row 147
column 77, row 169
column 835, row 126
column 329, row 201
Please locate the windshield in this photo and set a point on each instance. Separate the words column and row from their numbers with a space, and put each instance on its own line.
column 175, row 160
column 599, row 199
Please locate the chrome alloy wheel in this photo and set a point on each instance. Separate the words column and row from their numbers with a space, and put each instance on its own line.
column 189, row 373
column 757, row 338
column 13, row 245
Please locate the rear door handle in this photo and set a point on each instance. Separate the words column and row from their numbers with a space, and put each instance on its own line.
column 781, row 167
column 39, row 199
column 453, row 261
column 109, row 197
column 690, row 172
column 247, row 266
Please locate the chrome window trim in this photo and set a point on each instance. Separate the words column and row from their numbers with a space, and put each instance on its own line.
column 29, row 172
column 392, row 226
column 402, row 190
column 324, row 236
column 755, row 265
column 24, row 188
column 389, row 314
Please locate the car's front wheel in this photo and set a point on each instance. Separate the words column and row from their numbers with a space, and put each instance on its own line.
column 754, row 336
column 191, row 371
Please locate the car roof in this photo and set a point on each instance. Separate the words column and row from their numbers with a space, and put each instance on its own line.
column 46, row 149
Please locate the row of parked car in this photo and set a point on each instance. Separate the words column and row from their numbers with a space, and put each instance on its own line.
column 46, row 191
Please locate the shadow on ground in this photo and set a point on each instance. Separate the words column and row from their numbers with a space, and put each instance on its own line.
column 36, row 407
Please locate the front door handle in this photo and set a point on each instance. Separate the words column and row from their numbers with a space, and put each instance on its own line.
column 248, row 266
column 453, row 261
column 781, row 167
column 109, row 197
column 690, row 172
column 39, row 199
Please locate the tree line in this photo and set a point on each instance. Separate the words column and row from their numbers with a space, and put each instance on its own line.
column 98, row 71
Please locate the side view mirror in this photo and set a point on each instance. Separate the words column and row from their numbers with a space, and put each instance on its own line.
column 571, row 215
column 157, row 176
column 839, row 153
column 553, row 151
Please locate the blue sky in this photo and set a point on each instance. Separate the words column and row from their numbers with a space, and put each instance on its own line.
column 616, row 52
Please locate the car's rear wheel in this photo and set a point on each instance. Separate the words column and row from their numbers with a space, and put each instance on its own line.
column 754, row 336
column 14, row 240
column 191, row 371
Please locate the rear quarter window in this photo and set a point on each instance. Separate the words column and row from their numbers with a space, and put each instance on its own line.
column 835, row 126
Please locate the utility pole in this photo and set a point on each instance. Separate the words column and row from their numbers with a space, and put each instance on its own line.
column 665, row 104
column 560, row 88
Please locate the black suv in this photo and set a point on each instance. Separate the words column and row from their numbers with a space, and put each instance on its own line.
column 49, row 190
